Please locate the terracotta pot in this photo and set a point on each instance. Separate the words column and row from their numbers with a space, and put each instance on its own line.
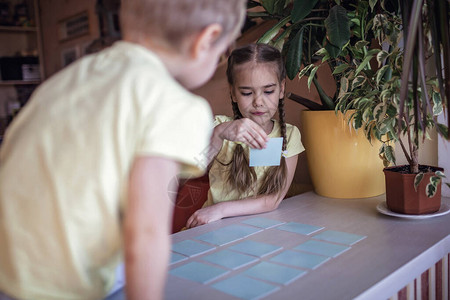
column 401, row 197
column 342, row 163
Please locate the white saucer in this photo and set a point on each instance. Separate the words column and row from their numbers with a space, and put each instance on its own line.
column 382, row 208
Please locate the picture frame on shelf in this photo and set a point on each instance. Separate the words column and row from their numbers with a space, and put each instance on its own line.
column 69, row 55
column 74, row 26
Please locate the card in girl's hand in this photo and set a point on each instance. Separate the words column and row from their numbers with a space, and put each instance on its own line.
column 270, row 156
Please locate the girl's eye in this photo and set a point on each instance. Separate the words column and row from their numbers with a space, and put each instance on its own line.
column 245, row 94
column 268, row 92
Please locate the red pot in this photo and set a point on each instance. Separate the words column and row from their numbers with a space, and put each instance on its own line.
column 401, row 197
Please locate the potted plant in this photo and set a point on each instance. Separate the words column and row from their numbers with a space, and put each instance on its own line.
column 313, row 34
column 398, row 100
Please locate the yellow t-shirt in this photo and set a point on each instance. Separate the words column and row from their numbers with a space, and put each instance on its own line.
column 219, row 191
column 64, row 168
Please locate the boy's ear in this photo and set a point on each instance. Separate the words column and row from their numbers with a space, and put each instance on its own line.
column 204, row 41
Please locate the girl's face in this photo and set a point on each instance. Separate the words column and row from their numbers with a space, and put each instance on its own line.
column 257, row 92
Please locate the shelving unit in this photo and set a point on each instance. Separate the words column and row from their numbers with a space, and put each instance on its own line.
column 19, row 41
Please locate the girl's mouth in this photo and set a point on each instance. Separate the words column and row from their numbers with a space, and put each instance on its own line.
column 257, row 113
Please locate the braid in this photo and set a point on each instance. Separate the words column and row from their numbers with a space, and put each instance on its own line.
column 275, row 178
column 282, row 117
column 241, row 176
column 236, row 113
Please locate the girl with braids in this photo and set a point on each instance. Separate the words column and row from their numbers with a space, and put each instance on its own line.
column 256, row 77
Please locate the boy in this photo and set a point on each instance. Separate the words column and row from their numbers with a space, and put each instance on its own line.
column 97, row 148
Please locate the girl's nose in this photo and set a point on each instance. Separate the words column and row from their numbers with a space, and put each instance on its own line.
column 258, row 100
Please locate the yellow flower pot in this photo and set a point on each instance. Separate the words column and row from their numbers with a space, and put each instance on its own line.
column 342, row 163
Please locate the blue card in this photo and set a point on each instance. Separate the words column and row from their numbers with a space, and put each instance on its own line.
column 275, row 273
column 263, row 222
column 227, row 234
column 244, row 287
column 191, row 248
column 269, row 156
column 198, row 272
column 298, row 259
column 299, row 228
column 175, row 257
column 255, row 248
column 230, row 259
column 322, row 248
column 339, row 237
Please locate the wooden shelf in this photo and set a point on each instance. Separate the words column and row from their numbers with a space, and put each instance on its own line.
column 18, row 29
column 19, row 82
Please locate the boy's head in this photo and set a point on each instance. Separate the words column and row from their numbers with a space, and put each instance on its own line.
column 197, row 31
column 174, row 20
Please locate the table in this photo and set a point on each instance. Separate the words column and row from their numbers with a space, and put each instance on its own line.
column 393, row 253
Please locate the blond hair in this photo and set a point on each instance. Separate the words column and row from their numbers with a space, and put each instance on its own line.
column 174, row 20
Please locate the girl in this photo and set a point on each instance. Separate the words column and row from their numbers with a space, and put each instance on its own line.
column 256, row 76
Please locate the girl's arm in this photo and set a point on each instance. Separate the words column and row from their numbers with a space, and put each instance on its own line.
column 147, row 226
column 242, row 130
column 245, row 206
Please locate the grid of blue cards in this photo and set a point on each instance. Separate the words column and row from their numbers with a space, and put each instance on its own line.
column 259, row 268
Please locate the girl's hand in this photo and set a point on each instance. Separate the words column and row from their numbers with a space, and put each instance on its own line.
column 204, row 216
column 245, row 131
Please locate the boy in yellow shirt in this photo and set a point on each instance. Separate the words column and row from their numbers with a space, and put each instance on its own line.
column 88, row 163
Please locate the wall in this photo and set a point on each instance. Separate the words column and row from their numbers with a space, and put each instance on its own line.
column 52, row 13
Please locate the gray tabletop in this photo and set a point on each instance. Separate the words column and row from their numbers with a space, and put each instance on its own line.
column 393, row 252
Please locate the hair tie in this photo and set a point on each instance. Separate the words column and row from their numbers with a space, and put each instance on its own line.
column 284, row 153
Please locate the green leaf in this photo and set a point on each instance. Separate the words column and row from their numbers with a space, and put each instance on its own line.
column 344, row 87
column 281, row 39
column 311, row 76
column 379, row 112
column 337, row 25
column 301, row 9
column 440, row 174
column 321, row 52
column 273, row 6
column 372, row 3
column 273, row 32
column 361, row 44
column 442, row 129
column 357, row 120
column 294, row 55
column 358, row 81
column 431, row 190
column 437, row 104
column 363, row 64
column 380, row 73
column 390, row 154
column 341, row 68
column 333, row 51
column 305, row 70
column 417, row 180
column 381, row 56
column 435, row 180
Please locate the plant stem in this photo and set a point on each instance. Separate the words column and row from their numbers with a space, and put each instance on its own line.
column 327, row 102
column 305, row 102
column 405, row 151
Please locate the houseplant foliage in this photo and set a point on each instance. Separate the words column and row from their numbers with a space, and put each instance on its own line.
column 302, row 28
column 393, row 105
column 396, row 99
column 371, row 46
column 342, row 163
